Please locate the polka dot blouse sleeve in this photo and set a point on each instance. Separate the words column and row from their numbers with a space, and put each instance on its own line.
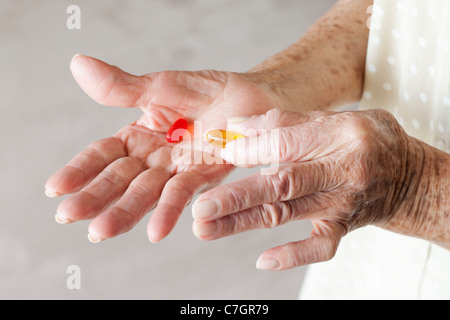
column 408, row 66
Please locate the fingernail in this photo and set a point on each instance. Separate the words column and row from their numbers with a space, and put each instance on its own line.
column 75, row 61
column 60, row 220
column 237, row 119
column 94, row 239
column 267, row 264
column 76, row 56
column 153, row 237
column 205, row 229
column 204, row 209
column 52, row 194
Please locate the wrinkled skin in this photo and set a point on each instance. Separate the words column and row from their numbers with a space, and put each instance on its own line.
column 116, row 181
column 344, row 171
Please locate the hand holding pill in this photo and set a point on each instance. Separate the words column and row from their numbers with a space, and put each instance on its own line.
column 116, row 181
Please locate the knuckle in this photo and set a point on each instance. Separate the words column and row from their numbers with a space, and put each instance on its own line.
column 234, row 223
column 142, row 191
column 93, row 155
column 117, row 173
column 275, row 115
column 285, row 184
column 128, row 221
column 277, row 214
column 284, row 145
column 386, row 121
column 236, row 199
column 381, row 114
column 328, row 253
column 107, row 86
column 358, row 128
column 270, row 216
column 179, row 188
column 114, row 178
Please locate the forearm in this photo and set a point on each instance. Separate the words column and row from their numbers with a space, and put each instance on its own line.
column 325, row 68
column 425, row 208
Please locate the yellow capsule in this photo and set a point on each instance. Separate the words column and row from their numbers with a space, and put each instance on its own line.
column 220, row 138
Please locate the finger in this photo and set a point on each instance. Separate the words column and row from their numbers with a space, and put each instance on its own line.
column 260, row 130
column 177, row 194
column 311, row 139
column 140, row 197
column 108, row 85
column 319, row 247
column 84, row 167
column 291, row 182
column 103, row 190
column 280, row 146
column 265, row 216
column 168, row 90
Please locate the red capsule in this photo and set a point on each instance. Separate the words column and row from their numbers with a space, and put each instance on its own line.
column 176, row 131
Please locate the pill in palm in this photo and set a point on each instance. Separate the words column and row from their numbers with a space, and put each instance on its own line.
column 177, row 130
column 220, row 138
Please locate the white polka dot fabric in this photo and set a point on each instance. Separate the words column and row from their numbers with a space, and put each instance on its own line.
column 408, row 66
column 408, row 74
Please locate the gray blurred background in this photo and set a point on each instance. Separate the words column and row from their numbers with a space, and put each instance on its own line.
column 45, row 119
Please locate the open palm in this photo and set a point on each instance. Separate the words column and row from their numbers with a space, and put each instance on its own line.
column 117, row 180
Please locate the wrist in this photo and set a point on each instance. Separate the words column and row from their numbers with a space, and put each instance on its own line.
column 432, row 209
column 422, row 208
column 292, row 86
column 312, row 75
column 325, row 68
column 274, row 82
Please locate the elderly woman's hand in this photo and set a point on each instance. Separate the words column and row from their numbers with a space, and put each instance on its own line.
column 344, row 171
column 118, row 180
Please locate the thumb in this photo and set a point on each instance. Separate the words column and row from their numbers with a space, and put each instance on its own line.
column 107, row 84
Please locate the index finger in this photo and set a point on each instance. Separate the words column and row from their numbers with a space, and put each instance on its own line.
column 84, row 167
column 321, row 135
column 291, row 182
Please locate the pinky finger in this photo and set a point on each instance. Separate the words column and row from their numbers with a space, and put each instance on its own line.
column 319, row 247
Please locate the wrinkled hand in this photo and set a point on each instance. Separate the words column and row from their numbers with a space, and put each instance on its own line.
column 343, row 171
column 118, row 180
